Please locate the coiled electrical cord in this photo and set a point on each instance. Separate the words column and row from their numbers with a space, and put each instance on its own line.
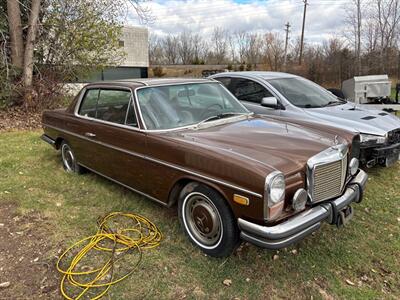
column 110, row 238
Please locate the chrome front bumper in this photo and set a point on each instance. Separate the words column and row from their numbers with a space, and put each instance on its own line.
column 303, row 224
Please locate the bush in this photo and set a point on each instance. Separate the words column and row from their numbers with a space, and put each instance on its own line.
column 230, row 67
column 241, row 67
column 158, row 72
column 249, row 67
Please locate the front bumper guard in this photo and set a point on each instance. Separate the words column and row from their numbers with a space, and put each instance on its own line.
column 305, row 223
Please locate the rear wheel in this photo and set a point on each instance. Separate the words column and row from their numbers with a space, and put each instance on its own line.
column 69, row 159
column 207, row 220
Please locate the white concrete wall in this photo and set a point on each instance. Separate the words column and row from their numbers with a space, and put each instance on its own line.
column 136, row 46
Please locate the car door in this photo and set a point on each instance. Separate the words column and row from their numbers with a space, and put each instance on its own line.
column 250, row 93
column 80, row 127
column 117, row 133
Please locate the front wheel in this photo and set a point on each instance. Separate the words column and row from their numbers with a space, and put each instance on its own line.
column 69, row 159
column 207, row 220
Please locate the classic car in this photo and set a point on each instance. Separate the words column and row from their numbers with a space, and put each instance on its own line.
column 294, row 97
column 231, row 173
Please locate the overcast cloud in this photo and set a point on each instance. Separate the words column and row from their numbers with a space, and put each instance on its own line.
column 324, row 17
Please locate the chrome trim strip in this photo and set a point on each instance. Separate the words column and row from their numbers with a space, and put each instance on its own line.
column 176, row 167
column 125, row 186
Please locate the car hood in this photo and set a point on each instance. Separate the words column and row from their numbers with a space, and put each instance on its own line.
column 278, row 145
column 356, row 118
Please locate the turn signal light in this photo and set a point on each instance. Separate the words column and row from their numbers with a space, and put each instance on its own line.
column 242, row 200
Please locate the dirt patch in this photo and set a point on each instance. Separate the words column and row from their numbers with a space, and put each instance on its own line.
column 26, row 271
column 19, row 119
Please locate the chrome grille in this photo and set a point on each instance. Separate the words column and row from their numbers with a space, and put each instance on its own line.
column 327, row 172
column 329, row 179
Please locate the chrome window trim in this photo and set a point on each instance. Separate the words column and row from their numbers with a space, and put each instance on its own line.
column 176, row 167
column 175, row 84
column 320, row 159
column 114, row 87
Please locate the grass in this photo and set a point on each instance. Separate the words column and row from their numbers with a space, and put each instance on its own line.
column 365, row 253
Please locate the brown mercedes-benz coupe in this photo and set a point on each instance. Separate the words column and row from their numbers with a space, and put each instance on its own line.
column 232, row 174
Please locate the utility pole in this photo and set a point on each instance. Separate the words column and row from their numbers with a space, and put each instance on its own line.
column 358, row 37
column 302, row 31
column 286, row 42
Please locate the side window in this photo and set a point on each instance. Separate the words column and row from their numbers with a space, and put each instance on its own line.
column 89, row 103
column 249, row 90
column 112, row 105
column 226, row 81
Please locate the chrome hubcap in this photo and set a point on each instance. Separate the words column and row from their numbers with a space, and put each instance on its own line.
column 68, row 158
column 203, row 219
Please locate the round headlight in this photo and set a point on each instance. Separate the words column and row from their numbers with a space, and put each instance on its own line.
column 353, row 166
column 277, row 189
column 299, row 199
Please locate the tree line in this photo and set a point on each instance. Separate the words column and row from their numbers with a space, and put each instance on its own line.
column 45, row 43
column 369, row 44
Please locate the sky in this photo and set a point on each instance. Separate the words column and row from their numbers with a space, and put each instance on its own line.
column 324, row 18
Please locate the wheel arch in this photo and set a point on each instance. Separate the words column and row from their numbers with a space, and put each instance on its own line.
column 58, row 142
column 186, row 182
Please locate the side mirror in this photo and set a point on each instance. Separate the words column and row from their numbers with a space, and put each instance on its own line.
column 271, row 102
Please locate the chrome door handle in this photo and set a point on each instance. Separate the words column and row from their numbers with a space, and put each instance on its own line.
column 89, row 134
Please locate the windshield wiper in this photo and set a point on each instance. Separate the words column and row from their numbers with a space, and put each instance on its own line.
column 220, row 116
column 330, row 103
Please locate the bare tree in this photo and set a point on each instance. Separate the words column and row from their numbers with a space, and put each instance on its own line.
column 185, row 47
column 387, row 15
column 253, row 45
column 170, row 46
column 156, row 52
column 274, row 50
column 219, row 44
column 240, row 40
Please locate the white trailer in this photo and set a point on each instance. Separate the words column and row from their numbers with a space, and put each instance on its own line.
column 372, row 91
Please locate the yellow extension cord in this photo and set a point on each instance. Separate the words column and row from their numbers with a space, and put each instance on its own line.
column 146, row 236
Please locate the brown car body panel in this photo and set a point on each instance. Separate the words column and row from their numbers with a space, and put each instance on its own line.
column 231, row 157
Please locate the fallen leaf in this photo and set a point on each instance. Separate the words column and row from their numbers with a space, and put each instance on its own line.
column 227, row 282
column 349, row 282
column 275, row 257
column 5, row 284
column 294, row 251
column 374, row 271
column 247, row 279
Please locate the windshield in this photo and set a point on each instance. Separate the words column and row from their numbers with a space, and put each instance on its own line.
column 172, row 106
column 304, row 93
